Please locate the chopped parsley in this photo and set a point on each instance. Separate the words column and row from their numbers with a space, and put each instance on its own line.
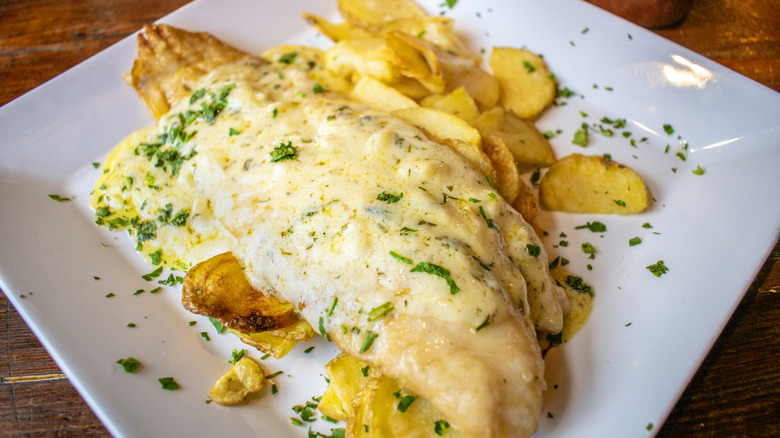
column 484, row 324
column 405, row 402
column 389, row 198
column 288, row 58
column 168, row 383
column 236, row 355
column 233, row 131
column 579, row 285
column 332, row 306
column 380, row 311
column 130, row 364
column 698, row 171
column 580, row 137
column 284, row 152
column 152, row 275
column 368, row 340
column 620, row 202
column 400, row 258
column 430, row 268
column 529, row 67
column 439, row 426
column 596, row 227
column 588, row 248
column 533, row 250
column 218, row 325
column 489, row 221
column 59, row 198
column 668, row 129
column 658, row 269
column 634, row 241
column 318, row 89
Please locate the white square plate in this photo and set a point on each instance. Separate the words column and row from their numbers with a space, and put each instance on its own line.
column 625, row 370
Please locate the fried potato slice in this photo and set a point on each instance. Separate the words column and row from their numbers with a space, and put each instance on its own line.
column 458, row 103
column 416, row 59
column 437, row 30
column 383, row 409
column 372, row 14
column 218, row 288
column 481, row 85
column 507, row 176
column 278, row 342
column 529, row 146
column 362, row 57
column 335, row 31
column 379, row 96
column 243, row 378
column 440, row 125
column 527, row 85
column 170, row 61
column 346, row 377
column 592, row 184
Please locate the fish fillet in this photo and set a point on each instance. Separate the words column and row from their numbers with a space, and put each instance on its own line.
column 391, row 245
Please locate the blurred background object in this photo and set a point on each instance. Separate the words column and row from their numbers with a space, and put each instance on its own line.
column 648, row 13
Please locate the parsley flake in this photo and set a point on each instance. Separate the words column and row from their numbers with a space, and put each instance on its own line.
column 59, row 198
column 430, row 268
column 168, row 383
column 658, row 269
column 130, row 364
column 389, row 198
column 284, row 152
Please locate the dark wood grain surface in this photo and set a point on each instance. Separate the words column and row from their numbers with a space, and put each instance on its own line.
column 735, row 393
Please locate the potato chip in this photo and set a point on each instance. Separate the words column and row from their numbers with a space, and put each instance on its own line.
column 278, row 342
column 526, row 84
column 346, row 377
column 244, row 377
column 416, row 59
column 529, row 146
column 592, row 184
column 335, row 32
column 379, row 96
column 458, row 103
column 362, row 57
column 372, row 14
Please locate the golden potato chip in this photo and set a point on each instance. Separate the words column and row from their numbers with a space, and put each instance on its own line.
column 335, row 32
column 526, row 84
column 481, row 85
column 592, row 184
column 458, row 103
column 416, row 59
column 529, row 146
column 362, row 57
column 278, row 342
column 437, row 30
column 507, row 176
column 219, row 289
column 346, row 377
column 411, row 88
column 384, row 409
column 372, row 14
column 244, row 377
column 440, row 125
column 379, row 96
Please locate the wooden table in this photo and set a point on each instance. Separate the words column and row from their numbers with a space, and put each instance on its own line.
column 736, row 392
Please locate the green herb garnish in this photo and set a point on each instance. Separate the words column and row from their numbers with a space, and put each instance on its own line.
column 284, row 152
column 168, row 383
column 533, row 250
column 400, row 258
column 658, row 269
column 430, row 268
column 130, row 364
column 380, row 311
column 389, row 198
column 368, row 340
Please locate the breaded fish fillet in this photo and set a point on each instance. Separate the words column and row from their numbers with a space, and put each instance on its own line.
column 390, row 245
